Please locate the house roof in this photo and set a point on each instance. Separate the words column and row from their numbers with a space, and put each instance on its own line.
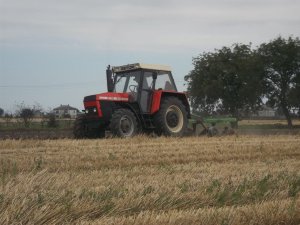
column 65, row 107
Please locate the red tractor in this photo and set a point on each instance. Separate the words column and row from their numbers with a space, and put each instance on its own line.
column 140, row 98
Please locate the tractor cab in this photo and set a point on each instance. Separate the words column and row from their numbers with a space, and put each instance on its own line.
column 139, row 98
column 140, row 81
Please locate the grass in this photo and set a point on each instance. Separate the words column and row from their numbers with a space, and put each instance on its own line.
column 268, row 122
column 222, row 180
column 35, row 124
column 268, row 127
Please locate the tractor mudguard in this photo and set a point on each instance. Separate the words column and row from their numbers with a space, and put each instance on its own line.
column 159, row 94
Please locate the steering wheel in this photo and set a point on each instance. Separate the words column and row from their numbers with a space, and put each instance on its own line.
column 133, row 88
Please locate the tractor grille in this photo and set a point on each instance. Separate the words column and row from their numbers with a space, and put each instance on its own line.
column 91, row 110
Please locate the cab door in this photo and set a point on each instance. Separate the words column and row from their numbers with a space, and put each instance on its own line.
column 146, row 92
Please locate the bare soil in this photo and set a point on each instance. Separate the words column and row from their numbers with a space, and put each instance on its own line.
column 42, row 134
column 36, row 134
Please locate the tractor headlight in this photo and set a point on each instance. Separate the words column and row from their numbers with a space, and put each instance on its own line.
column 91, row 110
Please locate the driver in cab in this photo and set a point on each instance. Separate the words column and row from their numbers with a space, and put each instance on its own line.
column 133, row 86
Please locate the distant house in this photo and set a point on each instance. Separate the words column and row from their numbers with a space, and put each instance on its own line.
column 38, row 113
column 266, row 111
column 65, row 111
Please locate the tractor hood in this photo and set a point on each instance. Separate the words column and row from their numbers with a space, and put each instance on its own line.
column 99, row 104
column 108, row 96
column 112, row 96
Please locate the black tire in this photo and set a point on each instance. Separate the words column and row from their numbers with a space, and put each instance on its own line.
column 123, row 123
column 81, row 129
column 171, row 119
column 96, row 133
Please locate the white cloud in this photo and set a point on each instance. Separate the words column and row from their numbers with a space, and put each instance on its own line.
column 169, row 25
column 55, row 40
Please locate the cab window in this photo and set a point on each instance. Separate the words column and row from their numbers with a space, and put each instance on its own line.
column 127, row 82
column 164, row 82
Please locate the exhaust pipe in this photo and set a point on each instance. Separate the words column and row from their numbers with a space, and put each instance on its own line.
column 109, row 79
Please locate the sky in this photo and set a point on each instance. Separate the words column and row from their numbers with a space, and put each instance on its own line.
column 55, row 52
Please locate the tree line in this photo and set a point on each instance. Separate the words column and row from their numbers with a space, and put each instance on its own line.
column 240, row 78
column 26, row 114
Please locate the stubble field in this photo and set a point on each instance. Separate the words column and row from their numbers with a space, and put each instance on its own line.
column 144, row 180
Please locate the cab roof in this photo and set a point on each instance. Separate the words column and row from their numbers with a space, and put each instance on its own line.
column 135, row 66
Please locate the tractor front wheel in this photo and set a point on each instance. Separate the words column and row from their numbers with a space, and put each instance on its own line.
column 82, row 130
column 171, row 119
column 79, row 128
column 123, row 123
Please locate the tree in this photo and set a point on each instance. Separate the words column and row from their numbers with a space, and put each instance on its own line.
column 38, row 110
column 1, row 112
column 281, row 60
column 26, row 115
column 52, row 122
column 8, row 118
column 227, row 80
column 295, row 94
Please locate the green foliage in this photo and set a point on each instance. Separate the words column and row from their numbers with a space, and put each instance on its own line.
column 112, row 156
column 226, row 80
column 226, row 193
column 237, row 194
column 263, row 186
column 40, row 198
column 8, row 118
column 1, row 112
column 148, row 190
column 237, row 78
column 1, row 198
column 281, row 60
column 184, row 187
column 215, row 185
column 52, row 122
column 26, row 114
column 37, row 163
column 294, row 187
column 8, row 168
column 45, row 124
column 106, row 195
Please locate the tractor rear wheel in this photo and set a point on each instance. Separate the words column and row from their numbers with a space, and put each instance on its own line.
column 171, row 119
column 123, row 123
